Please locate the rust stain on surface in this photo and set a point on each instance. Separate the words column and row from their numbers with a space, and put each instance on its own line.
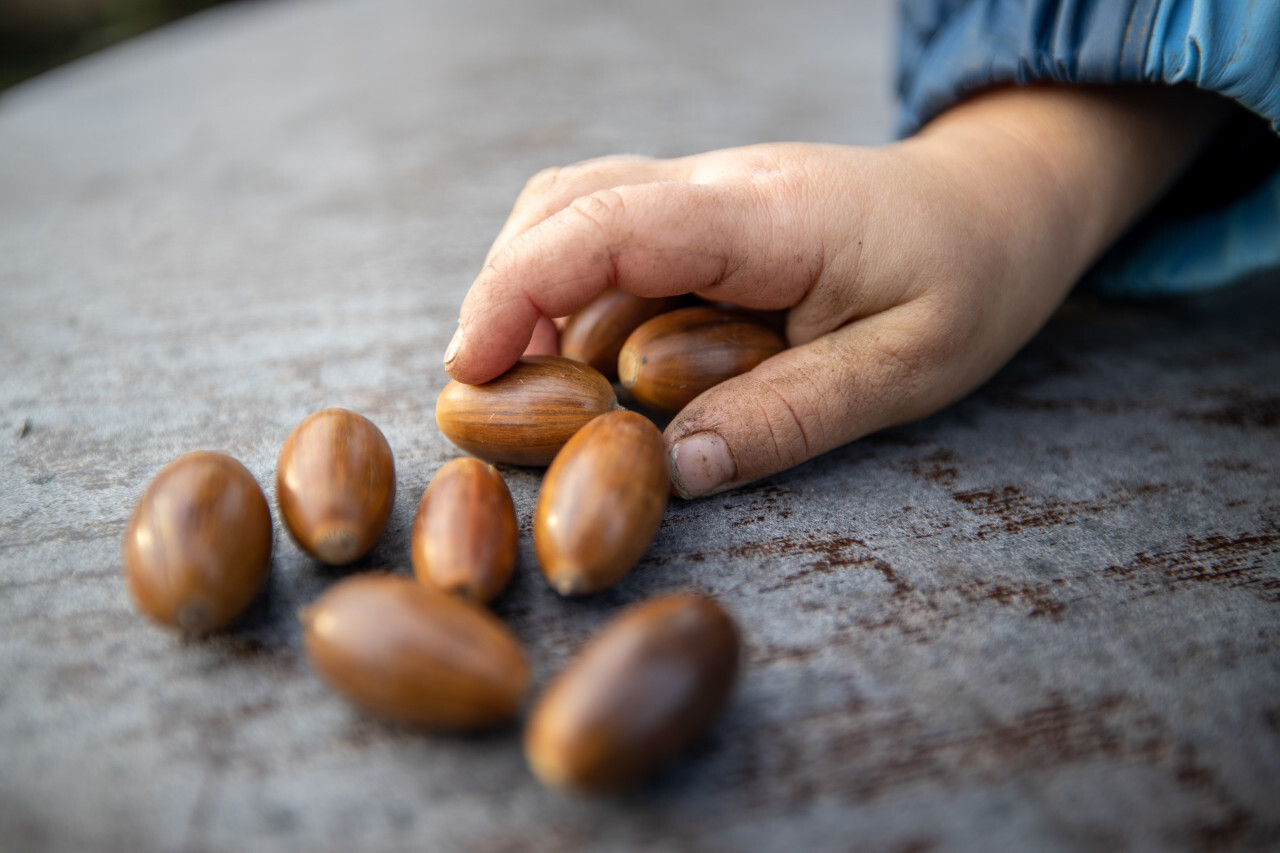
column 1037, row 598
column 759, row 502
column 1013, row 511
column 1239, row 408
column 909, row 608
column 868, row 755
column 938, row 467
column 772, row 654
column 1249, row 561
column 819, row 555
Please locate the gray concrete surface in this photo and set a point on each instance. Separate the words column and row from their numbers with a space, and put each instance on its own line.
column 1045, row 619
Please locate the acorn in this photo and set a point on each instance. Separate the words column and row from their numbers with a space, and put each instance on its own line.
column 595, row 334
column 527, row 414
column 674, row 357
column 411, row 653
column 336, row 484
column 197, row 548
column 601, row 503
column 636, row 697
column 464, row 536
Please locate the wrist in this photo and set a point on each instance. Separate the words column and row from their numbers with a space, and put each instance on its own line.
column 1076, row 165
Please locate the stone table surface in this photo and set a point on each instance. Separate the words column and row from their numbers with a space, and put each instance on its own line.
column 1044, row 619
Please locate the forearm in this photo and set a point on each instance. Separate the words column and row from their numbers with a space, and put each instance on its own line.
column 1040, row 181
column 1069, row 169
column 1091, row 160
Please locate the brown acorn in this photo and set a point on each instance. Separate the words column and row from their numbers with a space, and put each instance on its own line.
column 674, row 357
column 527, row 414
column 636, row 697
column 464, row 535
column 336, row 483
column 601, row 503
column 197, row 548
column 414, row 654
column 595, row 334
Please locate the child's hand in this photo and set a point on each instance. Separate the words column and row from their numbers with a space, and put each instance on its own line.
column 910, row 272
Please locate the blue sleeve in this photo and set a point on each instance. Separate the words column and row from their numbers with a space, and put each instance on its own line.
column 951, row 49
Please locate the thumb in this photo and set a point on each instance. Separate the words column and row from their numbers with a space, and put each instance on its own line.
column 807, row 400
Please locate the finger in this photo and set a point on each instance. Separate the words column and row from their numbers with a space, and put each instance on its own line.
column 884, row 370
column 545, row 339
column 551, row 190
column 650, row 240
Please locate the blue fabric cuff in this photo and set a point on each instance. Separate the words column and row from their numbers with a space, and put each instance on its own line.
column 951, row 49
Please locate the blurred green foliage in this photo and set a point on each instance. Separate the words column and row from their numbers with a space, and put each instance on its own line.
column 36, row 35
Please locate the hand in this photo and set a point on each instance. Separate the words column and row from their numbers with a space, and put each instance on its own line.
column 910, row 273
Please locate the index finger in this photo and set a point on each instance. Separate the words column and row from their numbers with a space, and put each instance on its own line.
column 552, row 189
column 653, row 239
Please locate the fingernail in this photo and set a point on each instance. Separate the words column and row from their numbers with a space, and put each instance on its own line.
column 701, row 463
column 451, row 351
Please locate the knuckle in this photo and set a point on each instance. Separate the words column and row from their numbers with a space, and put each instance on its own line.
column 503, row 265
column 560, row 181
column 788, row 422
column 773, row 173
column 610, row 163
column 913, row 365
column 542, row 183
column 601, row 208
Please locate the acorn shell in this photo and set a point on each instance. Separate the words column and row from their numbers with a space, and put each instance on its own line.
column 197, row 548
column 336, row 484
column 464, row 534
column 635, row 698
column 601, row 503
column 674, row 357
column 411, row 653
column 595, row 334
column 528, row 413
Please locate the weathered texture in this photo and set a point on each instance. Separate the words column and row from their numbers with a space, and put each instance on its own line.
column 1045, row 619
